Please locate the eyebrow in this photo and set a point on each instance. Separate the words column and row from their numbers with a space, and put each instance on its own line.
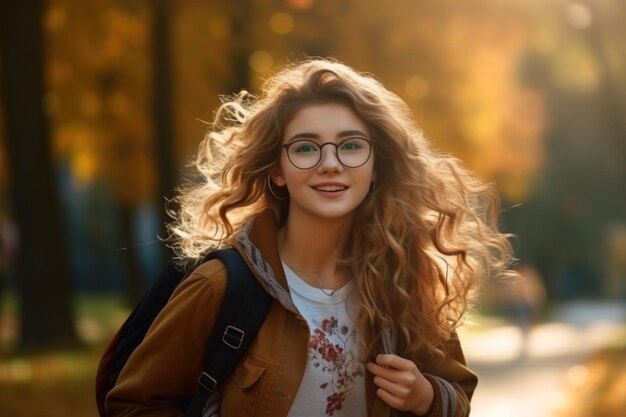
column 345, row 133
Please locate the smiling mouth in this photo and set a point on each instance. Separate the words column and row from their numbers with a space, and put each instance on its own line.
column 330, row 188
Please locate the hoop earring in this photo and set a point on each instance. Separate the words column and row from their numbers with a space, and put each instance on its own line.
column 272, row 192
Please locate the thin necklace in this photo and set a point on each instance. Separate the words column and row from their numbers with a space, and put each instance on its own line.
column 319, row 279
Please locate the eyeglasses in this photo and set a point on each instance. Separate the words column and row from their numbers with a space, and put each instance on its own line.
column 351, row 153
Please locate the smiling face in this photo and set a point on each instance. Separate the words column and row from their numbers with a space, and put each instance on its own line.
column 328, row 190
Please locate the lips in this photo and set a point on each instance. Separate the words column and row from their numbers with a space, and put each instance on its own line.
column 330, row 188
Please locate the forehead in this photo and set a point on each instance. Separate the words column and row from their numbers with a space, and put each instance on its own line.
column 326, row 120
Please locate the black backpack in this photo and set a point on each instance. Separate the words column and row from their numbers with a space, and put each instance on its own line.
column 242, row 313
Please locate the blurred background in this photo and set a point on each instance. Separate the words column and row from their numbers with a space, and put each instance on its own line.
column 104, row 101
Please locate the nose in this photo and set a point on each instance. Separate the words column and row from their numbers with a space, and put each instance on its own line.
column 329, row 162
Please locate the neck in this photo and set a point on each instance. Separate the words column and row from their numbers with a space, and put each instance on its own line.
column 311, row 250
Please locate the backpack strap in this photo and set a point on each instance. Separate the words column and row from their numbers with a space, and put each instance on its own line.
column 241, row 315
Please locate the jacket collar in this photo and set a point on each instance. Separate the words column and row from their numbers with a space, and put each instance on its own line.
column 257, row 242
column 263, row 233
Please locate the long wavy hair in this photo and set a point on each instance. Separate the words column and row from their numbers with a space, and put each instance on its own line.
column 423, row 239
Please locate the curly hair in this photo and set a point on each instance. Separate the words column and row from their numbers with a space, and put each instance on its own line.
column 423, row 239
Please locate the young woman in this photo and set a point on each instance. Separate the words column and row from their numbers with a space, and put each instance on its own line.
column 369, row 241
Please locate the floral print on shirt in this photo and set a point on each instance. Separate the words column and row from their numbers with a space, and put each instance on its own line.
column 341, row 364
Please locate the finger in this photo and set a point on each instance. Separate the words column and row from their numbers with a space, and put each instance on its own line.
column 397, row 390
column 387, row 364
column 390, row 399
column 382, row 371
column 394, row 361
column 404, row 378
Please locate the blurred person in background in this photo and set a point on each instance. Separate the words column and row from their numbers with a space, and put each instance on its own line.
column 345, row 213
column 522, row 300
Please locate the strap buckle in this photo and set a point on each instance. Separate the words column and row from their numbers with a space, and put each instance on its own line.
column 207, row 381
column 233, row 337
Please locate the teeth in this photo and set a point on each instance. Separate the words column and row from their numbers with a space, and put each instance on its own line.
column 330, row 188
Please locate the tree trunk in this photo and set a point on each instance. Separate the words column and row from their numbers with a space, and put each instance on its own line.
column 133, row 274
column 162, row 108
column 43, row 277
column 241, row 13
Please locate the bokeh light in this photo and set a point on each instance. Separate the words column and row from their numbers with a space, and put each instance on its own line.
column 578, row 15
column 261, row 61
column 282, row 23
column 416, row 87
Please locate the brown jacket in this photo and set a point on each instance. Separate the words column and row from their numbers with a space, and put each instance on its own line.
column 165, row 366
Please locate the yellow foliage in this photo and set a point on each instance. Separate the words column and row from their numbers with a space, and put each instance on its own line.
column 98, row 75
column 456, row 64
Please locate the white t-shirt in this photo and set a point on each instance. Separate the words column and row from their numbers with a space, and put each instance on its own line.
column 334, row 379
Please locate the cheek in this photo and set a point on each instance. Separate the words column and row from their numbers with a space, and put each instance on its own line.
column 364, row 182
column 288, row 174
column 370, row 174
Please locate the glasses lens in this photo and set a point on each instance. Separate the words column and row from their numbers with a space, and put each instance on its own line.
column 304, row 154
column 353, row 152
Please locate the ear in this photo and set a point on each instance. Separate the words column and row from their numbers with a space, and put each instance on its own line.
column 276, row 176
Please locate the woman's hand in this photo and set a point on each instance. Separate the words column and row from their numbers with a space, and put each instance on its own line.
column 400, row 384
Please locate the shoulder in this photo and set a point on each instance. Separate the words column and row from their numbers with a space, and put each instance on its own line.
column 209, row 278
column 213, row 271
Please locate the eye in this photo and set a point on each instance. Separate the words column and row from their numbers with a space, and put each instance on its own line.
column 351, row 145
column 304, row 147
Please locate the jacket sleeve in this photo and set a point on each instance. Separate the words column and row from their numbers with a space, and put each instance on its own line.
column 164, row 369
column 453, row 382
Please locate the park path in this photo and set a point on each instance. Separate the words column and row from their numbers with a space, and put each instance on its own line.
column 529, row 376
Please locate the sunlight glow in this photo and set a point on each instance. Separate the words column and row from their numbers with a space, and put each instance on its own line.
column 552, row 339
column 300, row 4
column 504, row 345
column 282, row 23
column 261, row 61
column 578, row 15
column 416, row 87
column 577, row 375
column 502, row 410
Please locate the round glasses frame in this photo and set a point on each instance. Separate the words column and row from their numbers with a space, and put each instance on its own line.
column 287, row 146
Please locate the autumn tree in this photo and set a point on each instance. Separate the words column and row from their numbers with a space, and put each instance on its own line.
column 43, row 277
column 100, row 77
